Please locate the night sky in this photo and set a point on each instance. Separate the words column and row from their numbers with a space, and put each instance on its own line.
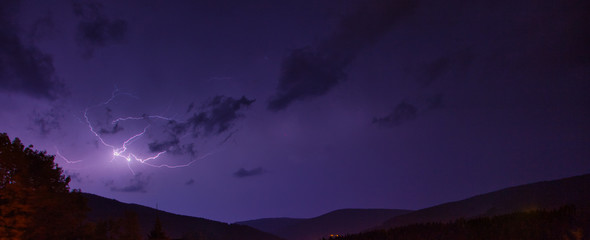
column 235, row 110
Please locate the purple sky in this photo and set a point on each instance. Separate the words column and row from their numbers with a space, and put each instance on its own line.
column 297, row 108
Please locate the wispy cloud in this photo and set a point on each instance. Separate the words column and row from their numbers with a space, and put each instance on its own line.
column 190, row 182
column 216, row 117
column 242, row 173
column 403, row 112
column 313, row 71
column 95, row 29
column 25, row 68
column 137, row 184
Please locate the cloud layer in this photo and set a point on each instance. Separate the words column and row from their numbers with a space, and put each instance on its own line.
column 311, row 72
column 216, row 117
column 95, row 28
column 137, row 184
column 46, row 122
column 24, row 68
column 242, row 173
column 403, row 112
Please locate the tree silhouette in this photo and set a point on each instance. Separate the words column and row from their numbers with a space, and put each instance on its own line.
column 124, row 228
column 157, row 232
column 105, row 230
column 130, row 229
column 563, row 223
column 35, row 199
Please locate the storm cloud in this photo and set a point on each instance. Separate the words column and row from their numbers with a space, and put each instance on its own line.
column 137, row 184
column 42, row 27
column 242, row 173
column 453, row 65
column 23, row 67
column 172, row 146
column 403, row 112
column 95, row 28
column 216, row 117
column 46, row 122
column 313, row 71
column 190, row 182
column 435, row 101
column 115, row 129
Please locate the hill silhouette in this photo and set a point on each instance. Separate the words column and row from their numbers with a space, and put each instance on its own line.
column 564, row 223
column 541, row 195
column 175, row 226
column 340, row 222
column 545, row 195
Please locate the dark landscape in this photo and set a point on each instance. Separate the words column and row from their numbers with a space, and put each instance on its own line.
column 530, row 198
column 344, row 221
column 175, row 225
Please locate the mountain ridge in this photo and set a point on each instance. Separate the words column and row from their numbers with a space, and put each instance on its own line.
column 548, row 194
column 341, row 221
column 175, row 225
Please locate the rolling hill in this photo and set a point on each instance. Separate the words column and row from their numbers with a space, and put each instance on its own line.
column 342, row 221
column 174, row 225
column 540, row 195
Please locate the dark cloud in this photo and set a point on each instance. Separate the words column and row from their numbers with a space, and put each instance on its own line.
column 115, row 129
column 228, row 137
column 435, row 69
column 74, row 176
column 190, row 182
column 107, row 127
column 158, row 146
column 46, row 122
column 190, row 107
column 449, row 65
column 24, row 68
column 172, row 146
column 311, row 72
column 96, row 29
column 137, row 184
column 216, row 117
column 223, row 111
column 242, row 173
column 41, row 28
column 435, row 101
column 305, row 73
column 403, row 112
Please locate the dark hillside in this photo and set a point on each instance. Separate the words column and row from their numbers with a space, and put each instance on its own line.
column 564, row 223
column 174, row 225
column 336, row 222
column 542, row 195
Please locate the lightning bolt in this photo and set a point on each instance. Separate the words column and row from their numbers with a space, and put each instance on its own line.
column 64, row 158
column 139, row 118
column 122, row 150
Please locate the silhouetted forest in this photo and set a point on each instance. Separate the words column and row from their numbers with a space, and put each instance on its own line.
column 563, row 223
column 36, row 201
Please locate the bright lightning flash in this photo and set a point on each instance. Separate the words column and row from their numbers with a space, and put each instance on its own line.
column 122, row 151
